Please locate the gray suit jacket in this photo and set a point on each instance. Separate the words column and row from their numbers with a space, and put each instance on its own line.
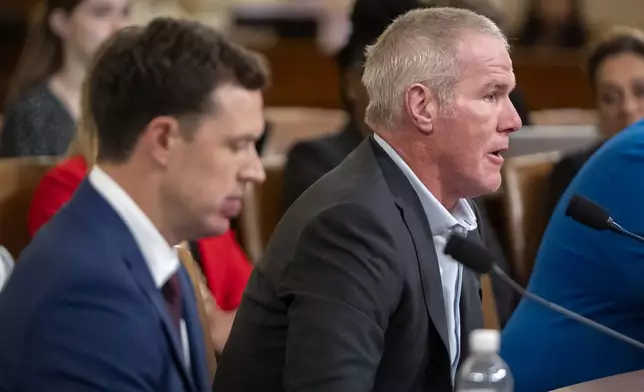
column 348, row 295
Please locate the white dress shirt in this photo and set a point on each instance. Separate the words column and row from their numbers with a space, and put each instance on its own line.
column 161, row 258
column 442, row 222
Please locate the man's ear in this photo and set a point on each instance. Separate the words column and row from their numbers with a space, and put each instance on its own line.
column 421, row 107
column 59, row 23
column 160, row 137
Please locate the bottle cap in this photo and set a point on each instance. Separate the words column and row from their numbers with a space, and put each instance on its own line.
column 484, row 341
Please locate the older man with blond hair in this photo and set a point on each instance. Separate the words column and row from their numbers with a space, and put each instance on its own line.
column 354, row 292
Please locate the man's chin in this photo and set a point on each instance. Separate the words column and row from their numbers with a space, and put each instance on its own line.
column 222, row 227
column 216, row 227
column 493, row 182
column 494, row 188
column 491, row 186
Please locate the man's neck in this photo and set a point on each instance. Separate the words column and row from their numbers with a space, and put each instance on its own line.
column 417, row 156
column 142, row 189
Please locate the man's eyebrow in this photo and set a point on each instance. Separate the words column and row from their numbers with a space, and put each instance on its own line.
column 497, row 85
column 249, row 136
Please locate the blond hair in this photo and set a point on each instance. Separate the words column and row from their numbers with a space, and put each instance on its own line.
column 420, row 46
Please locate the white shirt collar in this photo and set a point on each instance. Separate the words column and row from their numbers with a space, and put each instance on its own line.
column 160, row 257
column 442, row 220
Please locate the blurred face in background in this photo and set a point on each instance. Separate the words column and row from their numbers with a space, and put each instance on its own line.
column 620, row 92
column 90, row 23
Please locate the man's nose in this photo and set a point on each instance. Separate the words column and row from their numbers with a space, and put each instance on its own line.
column 510, row 120
column 254, row 171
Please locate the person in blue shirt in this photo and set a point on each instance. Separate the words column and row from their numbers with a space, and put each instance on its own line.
column 598, row 274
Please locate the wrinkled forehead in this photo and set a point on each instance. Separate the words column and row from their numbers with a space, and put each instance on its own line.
column 478, row 47
column 483, row 54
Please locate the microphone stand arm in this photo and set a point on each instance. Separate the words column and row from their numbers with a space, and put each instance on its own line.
column 615, row 227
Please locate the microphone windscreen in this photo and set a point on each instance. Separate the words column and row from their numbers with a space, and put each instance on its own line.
column 471, row 255
column 588, row 213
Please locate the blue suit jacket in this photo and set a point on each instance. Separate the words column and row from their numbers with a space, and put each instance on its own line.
column 82, row 313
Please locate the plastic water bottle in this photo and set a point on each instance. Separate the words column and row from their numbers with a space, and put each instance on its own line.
column 484, row 370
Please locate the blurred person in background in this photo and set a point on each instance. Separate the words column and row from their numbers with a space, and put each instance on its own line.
column 554, row 23
column 309, row 160
column 99, row 299
column 615, row 67
column 44, row 97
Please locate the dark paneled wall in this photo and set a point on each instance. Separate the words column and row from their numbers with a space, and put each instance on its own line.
column 13, row 28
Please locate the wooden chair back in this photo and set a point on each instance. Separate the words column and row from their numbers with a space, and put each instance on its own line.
column 263, row 207
column 292, row 124
column 19, row 178
column 490, row 314
column 526, row 182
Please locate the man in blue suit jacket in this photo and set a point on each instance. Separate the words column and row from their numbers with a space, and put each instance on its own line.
column 99, row 301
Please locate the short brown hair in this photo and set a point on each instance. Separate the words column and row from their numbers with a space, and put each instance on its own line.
column 168, row 68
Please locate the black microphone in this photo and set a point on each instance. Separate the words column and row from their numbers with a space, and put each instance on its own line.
column 479, row 260
column 594, row 216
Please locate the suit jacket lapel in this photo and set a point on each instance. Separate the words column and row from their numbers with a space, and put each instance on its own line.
column 413, row 215
column 427, row 267
column 145, row 282
column 116, row 229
